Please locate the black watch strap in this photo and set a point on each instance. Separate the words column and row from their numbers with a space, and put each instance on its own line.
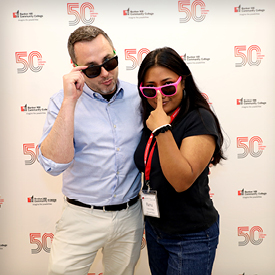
column 163, row 129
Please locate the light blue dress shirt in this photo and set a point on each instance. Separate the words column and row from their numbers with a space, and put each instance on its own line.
column 106, row 135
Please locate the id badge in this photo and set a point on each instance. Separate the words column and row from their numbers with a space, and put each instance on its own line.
column 150, row 205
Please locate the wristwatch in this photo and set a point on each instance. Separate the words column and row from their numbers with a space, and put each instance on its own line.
column 162, row 129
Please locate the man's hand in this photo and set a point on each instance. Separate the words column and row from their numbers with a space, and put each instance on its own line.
column 73, row 83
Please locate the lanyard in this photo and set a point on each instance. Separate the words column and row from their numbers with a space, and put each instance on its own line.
column 148, row 163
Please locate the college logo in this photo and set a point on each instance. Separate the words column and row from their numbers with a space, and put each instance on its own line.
column 254, row 235
column 251, row 194
column 195, row 59
column 15, row 14
column 254, row 146
column 250, row 103
column 135, row 57
column 251, row 56
column 197, row 10
column 137, row 14
column 33, row 110
column 32, row 61
column 43, row 242
column 26, row 16
column 242, row 11
column 32, row 154
column 40, row 201
column 85, row 13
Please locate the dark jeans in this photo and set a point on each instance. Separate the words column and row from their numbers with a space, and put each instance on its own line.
column 182, row 254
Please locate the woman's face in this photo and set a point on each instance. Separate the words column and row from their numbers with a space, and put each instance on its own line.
column 158, row 76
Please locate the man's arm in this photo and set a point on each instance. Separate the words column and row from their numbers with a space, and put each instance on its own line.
column 58, row 145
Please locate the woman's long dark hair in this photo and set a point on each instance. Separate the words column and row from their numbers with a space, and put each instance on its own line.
column 193, row 100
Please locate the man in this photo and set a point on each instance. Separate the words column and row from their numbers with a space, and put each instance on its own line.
column 92, row 129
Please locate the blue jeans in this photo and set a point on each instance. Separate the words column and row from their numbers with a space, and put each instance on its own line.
column 182, row 254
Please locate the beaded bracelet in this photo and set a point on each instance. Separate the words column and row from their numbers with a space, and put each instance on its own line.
column 162, row 129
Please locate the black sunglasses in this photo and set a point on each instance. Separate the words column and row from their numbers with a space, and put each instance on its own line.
column 95, row 70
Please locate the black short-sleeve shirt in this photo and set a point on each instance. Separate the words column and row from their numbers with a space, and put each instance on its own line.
column 192, row 210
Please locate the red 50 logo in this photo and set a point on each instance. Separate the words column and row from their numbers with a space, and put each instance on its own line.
column 252, row 55
column 207, row 98
column 136, row 60
column 143, row 243
column 250, row 147
column 198, row 14
column 81, row 14
column 251, row 236
column 27, row 150
column 33, row 61
column 46, row 239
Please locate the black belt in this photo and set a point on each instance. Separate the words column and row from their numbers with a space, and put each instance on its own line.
column 116, row 207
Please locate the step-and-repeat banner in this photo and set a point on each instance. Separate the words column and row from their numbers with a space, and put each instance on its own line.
column 228, row 45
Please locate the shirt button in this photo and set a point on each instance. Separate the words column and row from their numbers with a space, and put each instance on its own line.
column 118, row 149
column 114, row 195
column 114, row 126
column 117, row 172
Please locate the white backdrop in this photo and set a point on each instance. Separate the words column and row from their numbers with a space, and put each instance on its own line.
column 228, row 45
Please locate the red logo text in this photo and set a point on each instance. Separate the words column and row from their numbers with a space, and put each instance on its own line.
column 251, row 56
column 32, row 61
column 30, row 150
column 255, row 235
column 85, row 13
column 41, row 242
column 254, row 146
column 135, row 57
column 196, row 11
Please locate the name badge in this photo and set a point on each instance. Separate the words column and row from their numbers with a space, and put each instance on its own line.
column 150, row 205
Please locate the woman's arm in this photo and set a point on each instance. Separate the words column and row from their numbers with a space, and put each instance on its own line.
column 181, row 167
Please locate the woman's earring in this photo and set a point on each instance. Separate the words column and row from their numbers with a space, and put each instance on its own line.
column 184, row 93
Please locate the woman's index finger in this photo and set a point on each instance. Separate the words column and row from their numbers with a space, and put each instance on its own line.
column 159, row 100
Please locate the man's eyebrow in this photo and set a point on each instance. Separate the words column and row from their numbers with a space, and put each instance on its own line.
column 108, row 56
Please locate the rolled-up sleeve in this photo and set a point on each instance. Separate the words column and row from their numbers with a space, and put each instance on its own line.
column 50, row 166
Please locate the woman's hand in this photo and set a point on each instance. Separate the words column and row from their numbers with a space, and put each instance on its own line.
column 157, row 117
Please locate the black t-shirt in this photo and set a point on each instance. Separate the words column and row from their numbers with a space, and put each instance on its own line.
column 192, row 210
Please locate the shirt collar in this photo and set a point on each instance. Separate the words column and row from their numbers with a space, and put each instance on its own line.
column 119, row 93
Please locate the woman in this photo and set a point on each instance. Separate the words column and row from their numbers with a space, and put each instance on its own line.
column 181, row 138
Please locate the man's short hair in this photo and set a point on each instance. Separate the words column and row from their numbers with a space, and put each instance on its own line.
column 84, row 33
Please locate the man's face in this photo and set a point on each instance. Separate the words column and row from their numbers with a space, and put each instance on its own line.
column 95, row 52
